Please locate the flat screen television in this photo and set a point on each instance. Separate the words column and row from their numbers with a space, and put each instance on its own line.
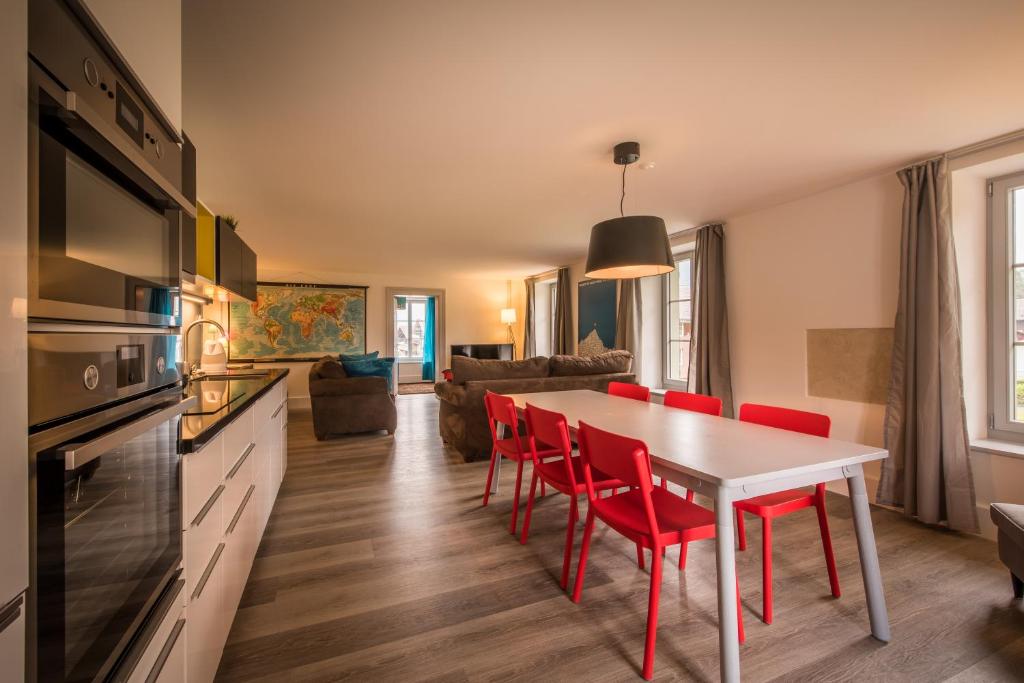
column 488, row 351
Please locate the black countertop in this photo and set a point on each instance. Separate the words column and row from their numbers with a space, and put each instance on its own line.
column 220, row 402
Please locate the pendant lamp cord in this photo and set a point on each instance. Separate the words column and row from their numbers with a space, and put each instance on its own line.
column 623, row 198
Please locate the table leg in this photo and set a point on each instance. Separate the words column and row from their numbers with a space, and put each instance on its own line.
column 502, row 434
column 728, row 633
column 868, row 554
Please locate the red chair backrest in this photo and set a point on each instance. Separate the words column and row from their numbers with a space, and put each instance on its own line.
column 636, row 392
column 620, row 457
column 802, row 421
column 697, row 403
column 502, row 410
column 551, row 429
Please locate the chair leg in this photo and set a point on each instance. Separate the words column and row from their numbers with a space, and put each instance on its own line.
column 741, row 530
column 640, row 556
column 652, row 614
column 766, row 565
column 826, row 544
column 490, row 475
column 1018, row 586
column 515, row 498
column 588, row 530
column 682, row 555
column 529, row 508
column 739, row 614
column 543, row 491
column 570, row 534
column 689, row 495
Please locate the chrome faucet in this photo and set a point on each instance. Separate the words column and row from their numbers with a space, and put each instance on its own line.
column 193, row 368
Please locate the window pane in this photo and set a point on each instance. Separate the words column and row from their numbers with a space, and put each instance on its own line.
column 1016, row 217
column 678, row 360
column 1018, row 304
column 683, row 273
column 1018, row 384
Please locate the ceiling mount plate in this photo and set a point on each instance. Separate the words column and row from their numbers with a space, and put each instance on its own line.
column 627, row 153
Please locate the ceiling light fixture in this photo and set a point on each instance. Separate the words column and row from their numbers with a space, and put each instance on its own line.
column 628, row 246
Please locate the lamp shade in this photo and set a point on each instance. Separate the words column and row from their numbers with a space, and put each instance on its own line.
column 508, row 316
column 629, row 247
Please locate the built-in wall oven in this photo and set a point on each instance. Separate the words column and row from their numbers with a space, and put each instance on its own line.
column 105, row 492
column 104, row 185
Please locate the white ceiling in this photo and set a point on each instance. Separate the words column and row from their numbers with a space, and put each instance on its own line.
column 475, row 137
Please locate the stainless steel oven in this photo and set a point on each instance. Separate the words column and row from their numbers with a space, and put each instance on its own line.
column 105, row 492
column 105, row 197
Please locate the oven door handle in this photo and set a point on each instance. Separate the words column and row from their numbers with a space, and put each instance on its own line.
column 78, row 454
column 76, row 109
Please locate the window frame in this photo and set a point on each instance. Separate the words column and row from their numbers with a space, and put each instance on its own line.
column 1001, row 314
column 666, row 301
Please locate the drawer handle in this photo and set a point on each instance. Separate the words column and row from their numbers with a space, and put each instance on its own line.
column 278, row 411
column 209, row 504
column 10, row 613
column 241, row 509
column 165, row 652
column 248, row 450
column 206, row 572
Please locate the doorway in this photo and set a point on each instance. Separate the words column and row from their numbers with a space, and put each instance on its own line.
column 416, row 339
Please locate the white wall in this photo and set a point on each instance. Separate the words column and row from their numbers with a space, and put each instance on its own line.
column 148, row 34
column 472, row 313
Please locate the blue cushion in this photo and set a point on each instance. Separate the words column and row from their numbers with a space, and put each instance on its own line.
column 358, row 356
column 372, row 367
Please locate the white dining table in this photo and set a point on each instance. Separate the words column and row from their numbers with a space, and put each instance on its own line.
column 728, row 460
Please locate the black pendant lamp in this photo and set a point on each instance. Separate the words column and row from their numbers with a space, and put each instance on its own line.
column 628, row 246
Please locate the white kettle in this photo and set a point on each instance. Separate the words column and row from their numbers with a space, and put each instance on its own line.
column 214, row 359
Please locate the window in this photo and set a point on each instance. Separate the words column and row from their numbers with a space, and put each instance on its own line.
column 544, row 317
column 1006, row 316
column 677, row 322
column 410, row 318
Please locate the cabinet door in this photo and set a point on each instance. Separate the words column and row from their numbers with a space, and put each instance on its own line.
column 248, row 272
column 188, row 188
column 208, row 623
column 229, row 257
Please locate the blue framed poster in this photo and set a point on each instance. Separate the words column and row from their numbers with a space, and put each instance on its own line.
column 596, row 330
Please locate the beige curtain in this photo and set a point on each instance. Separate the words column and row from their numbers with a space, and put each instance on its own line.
column 928, row 470
column 629, row 320
column 709, row 371
column 562, row 341
column 529, row 325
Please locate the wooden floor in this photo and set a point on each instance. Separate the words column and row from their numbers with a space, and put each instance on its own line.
column 379, row 564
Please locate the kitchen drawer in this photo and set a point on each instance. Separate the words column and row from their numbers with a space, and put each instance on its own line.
column 201, row 474
column 171, row 667
column 237, row 437
column 200, row 539
column 240, row 541
column 284, row 448
column 208, row 622
column 265, row 407
column 168, row 636
column 238, row 479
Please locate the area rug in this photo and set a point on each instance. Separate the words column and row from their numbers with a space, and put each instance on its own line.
column 416, row 388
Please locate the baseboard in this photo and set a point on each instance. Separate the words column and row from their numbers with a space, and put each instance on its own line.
column 299, row 403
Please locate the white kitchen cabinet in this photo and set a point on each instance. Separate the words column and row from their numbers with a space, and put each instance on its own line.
column 164, row 657
column 241, row 470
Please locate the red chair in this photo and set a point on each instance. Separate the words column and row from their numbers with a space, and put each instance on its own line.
column 649, row 516
column 564, row 474
column 773, row 505
column 501, row 410
column 636, row 392
column 696, row 403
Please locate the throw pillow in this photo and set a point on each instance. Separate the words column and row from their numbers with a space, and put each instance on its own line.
column 357, row 356
column 373, row 367
column 607, row 363
column 328, row 368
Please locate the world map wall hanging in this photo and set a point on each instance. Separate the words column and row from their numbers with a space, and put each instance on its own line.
column 297, row 322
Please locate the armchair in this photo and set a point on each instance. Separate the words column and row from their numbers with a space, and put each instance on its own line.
column 348, row 405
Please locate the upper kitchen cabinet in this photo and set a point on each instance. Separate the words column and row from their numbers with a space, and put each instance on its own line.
column 147, row 33
column 236, row 262
column 188, row 189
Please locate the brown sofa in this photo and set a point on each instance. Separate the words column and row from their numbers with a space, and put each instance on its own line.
column 348, row 405
column 462, row 417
